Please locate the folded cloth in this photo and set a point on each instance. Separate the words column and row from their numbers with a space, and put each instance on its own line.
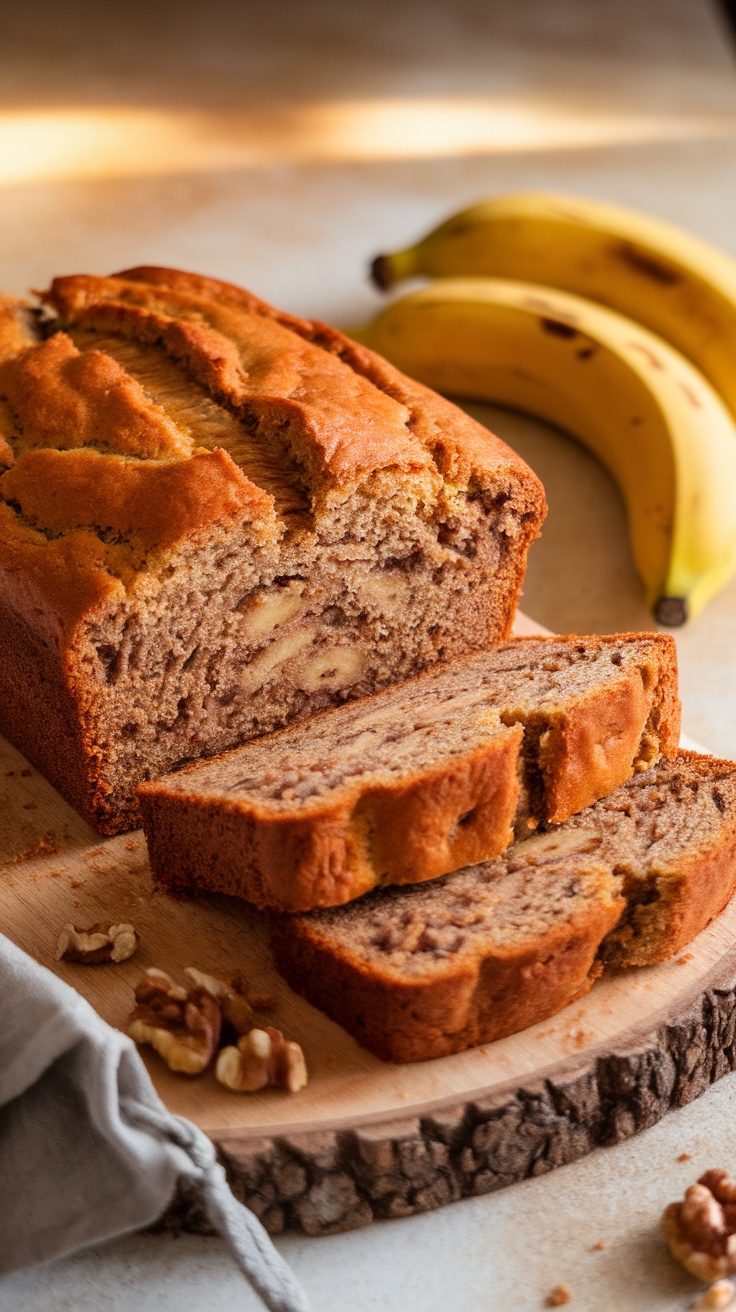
column 87, row 1149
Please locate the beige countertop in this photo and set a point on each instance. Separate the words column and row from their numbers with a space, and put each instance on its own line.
column 282, row 146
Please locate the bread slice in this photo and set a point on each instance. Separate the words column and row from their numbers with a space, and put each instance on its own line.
column 420, row 779
column 216, row 519
column 421, row 972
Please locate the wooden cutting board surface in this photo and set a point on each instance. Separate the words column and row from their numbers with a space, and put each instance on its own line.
column 366, row 1138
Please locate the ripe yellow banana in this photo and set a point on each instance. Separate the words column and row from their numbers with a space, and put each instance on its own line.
column 652, row 419
column 677, row 285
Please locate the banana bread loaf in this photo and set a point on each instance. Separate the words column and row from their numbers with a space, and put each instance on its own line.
column 216, row 519
column 432, row 969
column 420, row 779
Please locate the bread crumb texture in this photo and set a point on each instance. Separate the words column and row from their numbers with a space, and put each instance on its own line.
column 216, row 518
column 423, row 971
column 422, row 779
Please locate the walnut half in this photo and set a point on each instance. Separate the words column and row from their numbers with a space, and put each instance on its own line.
column 701, row 1230
column 262, row 1058
column 234, row 1006
column 100, row 943
column 183, row 1027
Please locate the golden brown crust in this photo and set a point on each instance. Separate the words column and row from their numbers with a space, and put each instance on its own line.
column 65, row 398
column 592, row 746
column 591, row 752
column 666, row 715
column 54, row 584
column 344, row 842
column 199, row 284
column 153, row 505
column 412, row 831
column 689, row 899
column 462, row 449
column 476, row 1001
column 410, row 1015
column 581, row 744
column 107, row 496
column 637, row 720
column 16, row 335
column 16, row 327
column 49, row 715
column 345, row 427
column 347, row 413
column 667, row 911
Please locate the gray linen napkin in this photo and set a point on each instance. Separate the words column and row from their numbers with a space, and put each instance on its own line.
column 87, row 1149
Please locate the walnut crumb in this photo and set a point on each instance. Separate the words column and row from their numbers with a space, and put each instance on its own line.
column 97, row 945
column 40, row 847
column 262, row 1002
column 183, row 1026
column 558, row 1296
column 719, row 1295
column 260, row 1059
column 684, row 1157
column 701, row 1230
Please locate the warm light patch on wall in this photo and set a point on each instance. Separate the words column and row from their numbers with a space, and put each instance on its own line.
column 43, row 145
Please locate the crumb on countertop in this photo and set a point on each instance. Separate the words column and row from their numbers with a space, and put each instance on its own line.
column 558, row 1296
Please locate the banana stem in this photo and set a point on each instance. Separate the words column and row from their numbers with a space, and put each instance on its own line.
column 387, row 270
column 671, row 611
column 381, row 273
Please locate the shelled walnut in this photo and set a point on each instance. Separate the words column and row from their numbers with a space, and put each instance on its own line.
column 185, row 1027
column 234, row 1005
column 701, row 1230
column 182, row 1026
column 262, row 1058
column 100, row 943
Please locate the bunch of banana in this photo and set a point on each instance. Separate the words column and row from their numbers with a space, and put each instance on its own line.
column 616, row 378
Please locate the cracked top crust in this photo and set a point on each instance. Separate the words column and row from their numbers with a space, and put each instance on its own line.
column 268, row 426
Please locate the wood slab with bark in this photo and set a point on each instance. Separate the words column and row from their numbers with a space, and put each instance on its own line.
column 366, row 1139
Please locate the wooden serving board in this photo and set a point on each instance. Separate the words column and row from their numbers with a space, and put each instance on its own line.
column 366, row 1138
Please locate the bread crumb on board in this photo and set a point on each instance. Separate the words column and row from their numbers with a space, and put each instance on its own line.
column 558, row 1296
column 684, row 1157
column 40, row 847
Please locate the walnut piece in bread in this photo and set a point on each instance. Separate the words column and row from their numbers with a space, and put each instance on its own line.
column 420, row 779
column 97, row 945
column 200, row 500
column 433, row 968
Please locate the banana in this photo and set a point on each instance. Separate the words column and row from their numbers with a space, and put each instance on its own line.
column 661, row 430
column 680, row 287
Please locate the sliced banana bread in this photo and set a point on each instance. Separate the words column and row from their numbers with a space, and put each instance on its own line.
column 216, row 519
column 424, row 971
column 420, row 779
